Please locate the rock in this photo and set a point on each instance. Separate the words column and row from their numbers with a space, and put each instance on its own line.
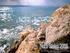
column 29, row 45
column 13, row 47
column 23, row 35
column 41, row 32
column 65, row 39
column 59, row 25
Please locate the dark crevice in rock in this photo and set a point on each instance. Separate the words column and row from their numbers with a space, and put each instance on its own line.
column 65, row 39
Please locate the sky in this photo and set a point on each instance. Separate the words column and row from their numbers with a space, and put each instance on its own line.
column 35, row 2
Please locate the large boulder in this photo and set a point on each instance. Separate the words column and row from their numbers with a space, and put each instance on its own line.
column 59, row 25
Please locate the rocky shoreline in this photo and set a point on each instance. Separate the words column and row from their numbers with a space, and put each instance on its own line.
column 57, row 28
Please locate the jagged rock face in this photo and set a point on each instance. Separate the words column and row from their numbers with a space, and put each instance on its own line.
column 29, row 45
column 41, row 32
column 59, row 25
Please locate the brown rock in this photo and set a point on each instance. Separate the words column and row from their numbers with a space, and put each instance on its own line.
column 14, row 47
column 60, row 24
column 25, row 33
column 41, row 32
column 56, row 28
column 29, row 45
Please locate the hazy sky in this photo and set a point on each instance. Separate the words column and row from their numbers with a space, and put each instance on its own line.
column 34, row 2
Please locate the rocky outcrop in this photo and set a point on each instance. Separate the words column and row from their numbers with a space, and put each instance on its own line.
column 29, row 45
column 59, row 24
column 23, row 35
column 57, row 27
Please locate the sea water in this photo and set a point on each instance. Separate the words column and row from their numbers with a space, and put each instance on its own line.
column 13, row 20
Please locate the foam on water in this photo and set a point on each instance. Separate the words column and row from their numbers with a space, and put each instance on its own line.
column 11, row 26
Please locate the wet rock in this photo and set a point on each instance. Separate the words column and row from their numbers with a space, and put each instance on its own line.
column 13, row 47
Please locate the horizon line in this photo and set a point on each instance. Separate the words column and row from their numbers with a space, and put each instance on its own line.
column 25, row 6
